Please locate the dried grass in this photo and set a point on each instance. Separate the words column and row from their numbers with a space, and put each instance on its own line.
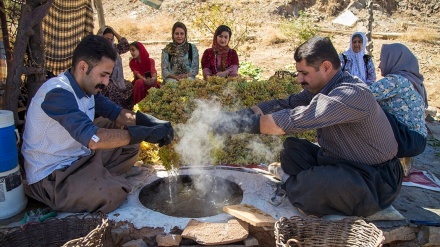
column 273, row 36
column 152, row 30
column 428, row 35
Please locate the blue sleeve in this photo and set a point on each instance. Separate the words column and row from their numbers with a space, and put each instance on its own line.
column 371, row 72
column 60, row 105
column 106, row 108
column 302, row 98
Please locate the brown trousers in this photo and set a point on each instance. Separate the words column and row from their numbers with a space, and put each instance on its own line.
column 92, row 183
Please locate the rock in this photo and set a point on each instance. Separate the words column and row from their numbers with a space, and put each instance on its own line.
column 120, row 234
column 403, row 233
column 216, row 233
column 168, row 240
column 135, row 243
column 429, row 236
column 251, row 241
column 431, row 111
column 250, row 214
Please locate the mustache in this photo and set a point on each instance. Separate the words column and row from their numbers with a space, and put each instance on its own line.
column 100, row 86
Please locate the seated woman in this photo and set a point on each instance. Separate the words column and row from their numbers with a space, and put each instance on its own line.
column 356, row 62
column 402, row 96
column 180, row 59
column 220, row 60
column 118, row 90
column 144, row 71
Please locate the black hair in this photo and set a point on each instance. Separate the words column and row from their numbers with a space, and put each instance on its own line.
column 135, row 44
column 92, row 49
column 221, row 29
column 317, row 50
column 108, row 30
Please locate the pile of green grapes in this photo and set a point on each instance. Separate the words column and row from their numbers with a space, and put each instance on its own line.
column 175, row 102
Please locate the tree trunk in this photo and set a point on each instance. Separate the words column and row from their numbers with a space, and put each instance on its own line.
column 6, row 43
column 32, row 14
column 100, row 10
column 36, row 52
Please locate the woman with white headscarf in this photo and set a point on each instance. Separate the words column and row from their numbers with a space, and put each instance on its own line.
column 402, row 96
column 356, row 62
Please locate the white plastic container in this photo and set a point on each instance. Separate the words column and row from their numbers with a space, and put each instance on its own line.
column 12, row 197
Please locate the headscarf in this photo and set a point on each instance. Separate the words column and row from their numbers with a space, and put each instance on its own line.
column 358, row 68
column 221, row 51
column 117, row 76
column 141, row 64
column 398, row 59
column 178, row 51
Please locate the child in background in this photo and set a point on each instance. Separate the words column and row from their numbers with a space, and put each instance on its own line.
column 144, row 71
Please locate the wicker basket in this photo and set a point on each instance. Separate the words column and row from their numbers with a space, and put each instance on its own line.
column 313, row 231
column 74, row 230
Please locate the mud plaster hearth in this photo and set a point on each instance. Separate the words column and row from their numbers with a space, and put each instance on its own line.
column 257, row 186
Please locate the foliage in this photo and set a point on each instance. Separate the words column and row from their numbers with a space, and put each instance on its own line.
column 208, row 16
column 248, row 69
column 175, row 102
column 300, row 29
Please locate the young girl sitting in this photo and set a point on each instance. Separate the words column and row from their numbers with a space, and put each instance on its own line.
column 144, row 71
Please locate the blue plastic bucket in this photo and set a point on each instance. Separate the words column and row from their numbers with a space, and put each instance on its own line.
column 8, row 141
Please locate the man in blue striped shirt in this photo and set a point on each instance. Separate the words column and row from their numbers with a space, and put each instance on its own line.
column 353, row 170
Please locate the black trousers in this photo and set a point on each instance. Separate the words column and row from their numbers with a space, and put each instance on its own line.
column 411, row 143
column 321, row 185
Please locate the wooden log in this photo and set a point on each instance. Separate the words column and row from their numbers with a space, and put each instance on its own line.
column 374, row 35
column 100, row 10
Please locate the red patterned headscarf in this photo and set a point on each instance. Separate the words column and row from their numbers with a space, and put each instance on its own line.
column 142, row 64
column 222, row 51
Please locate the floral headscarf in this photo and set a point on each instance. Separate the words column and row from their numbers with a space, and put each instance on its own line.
column 178, row 51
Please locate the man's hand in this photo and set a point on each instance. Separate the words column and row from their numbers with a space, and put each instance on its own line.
column 242, row 121
column 150, row 121
column 156, row 134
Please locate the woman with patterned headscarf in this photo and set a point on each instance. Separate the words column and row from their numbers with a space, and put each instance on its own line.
column 220, row 60
column 118, row 90
column 356, row 62
column 402, row 96
column 144, row 71
column 180, row 59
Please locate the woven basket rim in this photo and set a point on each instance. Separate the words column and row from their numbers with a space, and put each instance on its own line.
column 314, row 231
column 51, row 232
